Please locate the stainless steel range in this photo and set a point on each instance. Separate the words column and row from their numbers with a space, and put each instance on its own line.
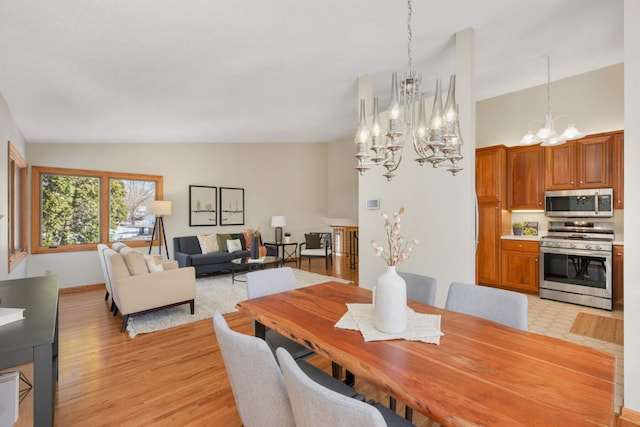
column 576, row 263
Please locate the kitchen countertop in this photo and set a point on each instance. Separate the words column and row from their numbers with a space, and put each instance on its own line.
column 522, row 237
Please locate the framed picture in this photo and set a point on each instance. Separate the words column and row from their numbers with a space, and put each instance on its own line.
column 231, row 206
column 203, row 205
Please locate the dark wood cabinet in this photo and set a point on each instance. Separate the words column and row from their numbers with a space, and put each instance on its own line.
column 618, row 170
column 520, row 265
column 583, row 163
column 618, row 276
column 525, row 183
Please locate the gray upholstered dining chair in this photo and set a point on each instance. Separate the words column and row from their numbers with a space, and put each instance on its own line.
column 316, row 406
column 272, row 281
column 256, row 380
column 257, row 384
column 502, row 306
column 420, row 287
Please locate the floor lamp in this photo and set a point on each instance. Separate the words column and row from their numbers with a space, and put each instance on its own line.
column 159, row 208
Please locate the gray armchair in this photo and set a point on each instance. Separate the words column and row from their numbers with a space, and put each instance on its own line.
column 316, row 245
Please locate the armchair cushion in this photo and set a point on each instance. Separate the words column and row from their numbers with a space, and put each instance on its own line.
column 134, row 261
column 312, row 241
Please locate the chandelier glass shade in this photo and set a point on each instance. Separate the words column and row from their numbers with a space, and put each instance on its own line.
column 436, row 141
column 546, row 135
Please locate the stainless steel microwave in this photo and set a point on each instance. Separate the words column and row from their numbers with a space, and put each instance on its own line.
column 579, row 203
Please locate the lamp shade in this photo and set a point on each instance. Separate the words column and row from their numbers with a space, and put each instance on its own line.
column 278, row 221
column 159, row 207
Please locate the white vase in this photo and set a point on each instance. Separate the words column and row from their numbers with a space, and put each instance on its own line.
column 390, row 302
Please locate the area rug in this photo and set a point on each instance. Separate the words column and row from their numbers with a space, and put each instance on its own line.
column 599, row 327
column 212, row 293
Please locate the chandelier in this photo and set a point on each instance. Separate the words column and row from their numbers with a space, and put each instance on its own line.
column 547, row 134
column 437, row 141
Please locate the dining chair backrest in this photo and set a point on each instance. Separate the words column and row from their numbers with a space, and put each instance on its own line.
column 502, row 306
column 270, row 281
column 420, row 288
column 256, row 381
column 316, row 406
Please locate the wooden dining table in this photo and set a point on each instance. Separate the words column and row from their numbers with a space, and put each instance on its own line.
column 481, row 373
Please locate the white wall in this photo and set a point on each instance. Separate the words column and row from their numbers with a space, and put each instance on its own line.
column 440, row 208
column 594, row 100
column 9, row 131
column 279, row 179
column 342, row 183
column 631, row 205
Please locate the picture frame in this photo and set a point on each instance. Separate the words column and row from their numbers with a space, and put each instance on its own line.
column 231, row 206
column 203, row 205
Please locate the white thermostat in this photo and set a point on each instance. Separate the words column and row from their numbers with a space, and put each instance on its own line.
column 373, row 204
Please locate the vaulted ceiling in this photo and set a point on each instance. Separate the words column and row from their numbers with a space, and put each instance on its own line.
column 268, row 71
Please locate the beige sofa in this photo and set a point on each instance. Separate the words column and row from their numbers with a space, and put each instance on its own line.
column 137, row 290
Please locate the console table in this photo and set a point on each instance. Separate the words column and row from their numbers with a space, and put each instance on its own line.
column 33, row 339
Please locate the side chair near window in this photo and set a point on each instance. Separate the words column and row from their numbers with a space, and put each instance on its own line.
column 316, row 245
column 316, row 406
column 499, row 305
column 256, row 381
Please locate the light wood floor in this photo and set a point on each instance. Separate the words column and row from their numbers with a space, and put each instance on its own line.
column 174, row 377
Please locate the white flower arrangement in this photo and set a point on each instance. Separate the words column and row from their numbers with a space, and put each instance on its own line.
column 399, row 249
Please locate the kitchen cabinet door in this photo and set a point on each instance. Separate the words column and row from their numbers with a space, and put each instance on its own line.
column 584, row 163
column 488, row 251
column 520, row 266
column 490, row 173
column 525, row 178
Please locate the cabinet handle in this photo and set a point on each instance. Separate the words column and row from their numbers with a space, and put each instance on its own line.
column 619, row 254
column 536, row 259
column 581, row 182
column 519, row 245
column 572, row 182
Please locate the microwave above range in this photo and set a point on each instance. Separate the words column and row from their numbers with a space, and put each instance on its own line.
column 579, row 203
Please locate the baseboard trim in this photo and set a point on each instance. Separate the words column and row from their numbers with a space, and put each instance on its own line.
column 628, row 418
column 82, row 288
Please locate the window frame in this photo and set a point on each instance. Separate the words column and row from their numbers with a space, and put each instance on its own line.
column 17, row 182
column 105, row 176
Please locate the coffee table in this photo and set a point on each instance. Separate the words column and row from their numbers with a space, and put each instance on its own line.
column 248, row 264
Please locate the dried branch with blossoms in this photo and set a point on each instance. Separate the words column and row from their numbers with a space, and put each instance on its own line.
column 252, row 231
column 399, row 249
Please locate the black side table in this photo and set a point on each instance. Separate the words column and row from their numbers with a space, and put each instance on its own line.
column 288, row 254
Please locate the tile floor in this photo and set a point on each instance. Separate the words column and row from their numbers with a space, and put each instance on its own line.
column 555, row 319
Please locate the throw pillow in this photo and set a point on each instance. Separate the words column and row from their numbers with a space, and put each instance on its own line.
column 222, row 241
column 234, row 245
column 312, row 241
column 134, row 261
column 117, row 246
column 208, row 243
column 154, row 263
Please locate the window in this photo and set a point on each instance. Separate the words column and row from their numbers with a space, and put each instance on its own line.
column 17, row 212
column 73, row 210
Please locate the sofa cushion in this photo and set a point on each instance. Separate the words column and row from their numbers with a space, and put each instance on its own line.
column 118, row 245
column 222, row 241
column 234, row 245
column 215, row 258
column 208, row 243
column 312, row 241
column 134, row 261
